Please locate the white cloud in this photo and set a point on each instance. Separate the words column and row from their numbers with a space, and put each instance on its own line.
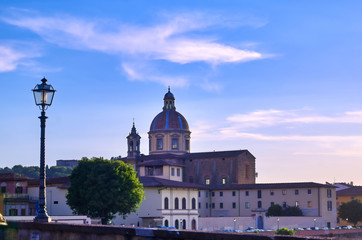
column 10, row 58
column 169, row 41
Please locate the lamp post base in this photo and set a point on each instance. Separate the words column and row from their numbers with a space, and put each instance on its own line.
column 42, row 219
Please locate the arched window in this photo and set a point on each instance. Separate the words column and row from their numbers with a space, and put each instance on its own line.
column 176, row 224
column 166, row 203
column 184, row 224
column 19, row 188
column 176, row 203
column 166, row 223
column 183, row 203
column 131, row 146
column 193, row 203
column 193, row 224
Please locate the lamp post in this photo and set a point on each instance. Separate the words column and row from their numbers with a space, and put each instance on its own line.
column 234, row 224
column 314, row 222
column 278, row 222
column 43, row 96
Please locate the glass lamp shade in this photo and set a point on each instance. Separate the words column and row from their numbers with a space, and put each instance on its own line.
column 43, row 93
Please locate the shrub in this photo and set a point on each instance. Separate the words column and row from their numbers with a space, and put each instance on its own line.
column 284, row 231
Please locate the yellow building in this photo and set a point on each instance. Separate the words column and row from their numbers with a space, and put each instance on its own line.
column 346, row 195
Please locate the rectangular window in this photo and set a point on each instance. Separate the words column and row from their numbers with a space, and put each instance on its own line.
column 199, row 205
column 246, row 193
column 213, row 205
column 178, row 172
column 297, row 204
column 172, row 171
column 284, row 204
column 212, row 194
column 271, row 192
column 207, row 205
column 221, row 194
column 154, row 171
column 187, row 144
column 221, row 205
column 329, row 193
column 309, row 204
column 309, row 191
column 206, row 194
column 234, row 194
column 296, row 191
column 329, row 205
column 159, row 144
column 55, row 202
column 199, row 193
column 247, row 205
column 234, row 204
column 284, row 192
column 207, row 181
column 223, row 181
column 174, row 143
column 260, row 204
column 259, row 193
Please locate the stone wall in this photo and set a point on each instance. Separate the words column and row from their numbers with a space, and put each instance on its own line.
column 45, row 231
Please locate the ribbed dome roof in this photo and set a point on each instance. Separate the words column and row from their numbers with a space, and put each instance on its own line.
column 169, row 120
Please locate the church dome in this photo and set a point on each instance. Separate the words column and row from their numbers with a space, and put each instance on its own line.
column 169, row 118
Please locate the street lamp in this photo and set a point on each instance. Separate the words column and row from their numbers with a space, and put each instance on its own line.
column 278, row 222
column 314, row 222
column 234, row 224
column 43, row 96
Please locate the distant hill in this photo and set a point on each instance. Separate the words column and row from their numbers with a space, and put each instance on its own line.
column 33, row 171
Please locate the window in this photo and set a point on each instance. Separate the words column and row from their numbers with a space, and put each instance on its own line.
column 187, row 144
column 284, row 204
column 193, row 203
column 297, row 204
column 174, row 143
column 221, row 194
column 329, row 205
column 272, row 203
column 271, row 192
column 309, row 191
column 131, row 146
column 207, row 181
column 19, row 188
column 154, row 170
column 199, row 205
column 247, row 205
column 223, row 180
column 55, row 202
column 329, row 193
column 284, row 192
column 3, row 187
column 259, row 193
column 166, row 223
column 212, row 194
column 234, row 193
column 178, row 170
column 159, row 144
column 176, row 224
column 172, row 171
column 176, row 203
column 221, row 205
column 183, row 203
column 207, row 205
column 234, row 204
column 309, row 204
column 166, row 203
column 246, row 193
column 199, row 193
column 212, row 205
column 296, row 191
column 206, row 194
column 260, row 204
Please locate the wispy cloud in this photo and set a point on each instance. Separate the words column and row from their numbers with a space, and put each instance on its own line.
column 135, row 73
column 11, row 58
column 168, row 41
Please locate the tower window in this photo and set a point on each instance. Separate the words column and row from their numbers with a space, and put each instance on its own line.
column 207, row 181
column 187, row 144
column 174, row 143
column 130, row 146
column 159, row 144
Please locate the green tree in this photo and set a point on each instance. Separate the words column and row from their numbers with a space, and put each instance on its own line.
column 351, row 210
column 284, row 231
column 274, row 210
column 292, row 211
column 102, row 188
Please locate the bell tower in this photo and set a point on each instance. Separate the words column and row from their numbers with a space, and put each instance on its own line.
column 133, row 143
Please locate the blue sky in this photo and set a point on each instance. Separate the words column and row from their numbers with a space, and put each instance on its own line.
column 282, row 79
